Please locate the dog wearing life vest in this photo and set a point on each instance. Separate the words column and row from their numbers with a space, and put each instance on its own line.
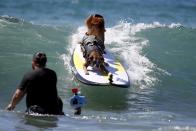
column 92, row 45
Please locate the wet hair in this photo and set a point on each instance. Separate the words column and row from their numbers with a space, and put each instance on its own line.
column 40, row 58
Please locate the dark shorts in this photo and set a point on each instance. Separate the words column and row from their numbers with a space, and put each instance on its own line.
column 34, row 109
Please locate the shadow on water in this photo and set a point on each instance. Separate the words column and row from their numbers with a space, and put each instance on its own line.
column 116, row 99
column 111, row 100
column 41, row 121
column 19, row 121
column 105, row 98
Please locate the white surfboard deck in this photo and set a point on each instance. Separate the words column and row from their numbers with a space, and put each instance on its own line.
column 95, row 77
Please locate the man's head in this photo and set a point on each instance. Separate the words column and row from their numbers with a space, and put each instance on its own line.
column 39, row 60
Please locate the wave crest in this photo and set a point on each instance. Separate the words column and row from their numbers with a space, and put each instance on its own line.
column 122, row 40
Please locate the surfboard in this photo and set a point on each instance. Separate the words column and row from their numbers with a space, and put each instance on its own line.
column 96, row 77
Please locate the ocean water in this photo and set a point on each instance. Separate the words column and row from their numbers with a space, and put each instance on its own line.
column 155, row 40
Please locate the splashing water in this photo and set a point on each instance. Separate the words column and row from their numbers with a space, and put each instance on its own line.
column 122, row 40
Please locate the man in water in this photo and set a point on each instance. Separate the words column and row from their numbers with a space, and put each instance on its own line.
column 40, row 87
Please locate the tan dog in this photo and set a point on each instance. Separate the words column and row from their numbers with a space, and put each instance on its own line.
column 93, row 46
column 96, row 26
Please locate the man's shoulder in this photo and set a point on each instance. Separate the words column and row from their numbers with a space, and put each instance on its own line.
column 49, row 70
column 38, row 72
column 28, row 75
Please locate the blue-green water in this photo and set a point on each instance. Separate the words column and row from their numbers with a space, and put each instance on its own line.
column 155, row 40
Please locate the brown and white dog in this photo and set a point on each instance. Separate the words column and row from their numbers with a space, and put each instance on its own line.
column 96, row 26
column 93, row 46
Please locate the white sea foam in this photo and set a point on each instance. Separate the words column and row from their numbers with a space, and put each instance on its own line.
column 177, row 128
column 123, row 42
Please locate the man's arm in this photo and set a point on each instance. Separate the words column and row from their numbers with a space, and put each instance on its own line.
column 18, row 95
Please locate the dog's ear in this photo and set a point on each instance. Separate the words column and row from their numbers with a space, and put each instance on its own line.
column 98, row 22
column 95, row 20
column 88, row 21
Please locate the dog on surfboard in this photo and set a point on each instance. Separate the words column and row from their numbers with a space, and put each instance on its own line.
column 92, row 45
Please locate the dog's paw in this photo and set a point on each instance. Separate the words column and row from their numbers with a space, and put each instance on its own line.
column 106, row 64
column 86, row 73
column 110, row 78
